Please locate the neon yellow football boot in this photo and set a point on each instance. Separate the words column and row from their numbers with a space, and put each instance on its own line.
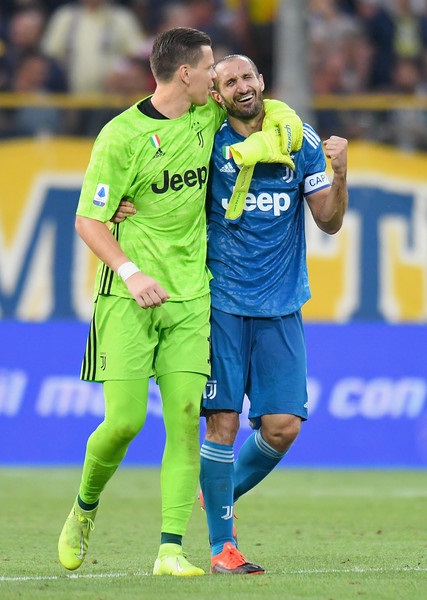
column 171, row 561
column 74, row 538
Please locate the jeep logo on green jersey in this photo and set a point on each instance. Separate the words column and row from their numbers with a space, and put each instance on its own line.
column 177, row 181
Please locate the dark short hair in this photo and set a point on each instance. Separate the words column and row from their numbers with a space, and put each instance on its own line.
column 176, row 47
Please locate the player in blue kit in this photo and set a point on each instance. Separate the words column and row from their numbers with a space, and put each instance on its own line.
column 260, row 283
column 257, row 257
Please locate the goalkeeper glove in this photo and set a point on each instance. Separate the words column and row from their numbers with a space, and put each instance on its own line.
column 281, row 134
column 278, row 114
column 261, row 146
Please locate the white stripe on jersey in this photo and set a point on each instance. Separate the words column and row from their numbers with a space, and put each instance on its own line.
column 311, row 136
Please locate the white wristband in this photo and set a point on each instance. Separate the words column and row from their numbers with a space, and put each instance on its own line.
column 126, row 270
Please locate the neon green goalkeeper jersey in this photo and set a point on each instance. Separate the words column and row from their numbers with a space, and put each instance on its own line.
column 161, row 165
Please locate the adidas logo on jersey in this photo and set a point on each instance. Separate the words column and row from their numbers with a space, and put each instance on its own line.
column 227, row 168
column 159, row 153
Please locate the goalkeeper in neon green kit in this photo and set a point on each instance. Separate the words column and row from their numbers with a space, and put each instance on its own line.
column 155, row 154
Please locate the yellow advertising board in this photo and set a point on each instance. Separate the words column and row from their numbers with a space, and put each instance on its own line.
column 375, row 268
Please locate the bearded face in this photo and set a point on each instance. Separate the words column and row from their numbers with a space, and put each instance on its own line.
column 239, row 88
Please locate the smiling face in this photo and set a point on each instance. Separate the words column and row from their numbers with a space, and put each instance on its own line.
column 239, row 87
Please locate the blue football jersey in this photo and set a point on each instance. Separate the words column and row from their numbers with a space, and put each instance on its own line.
column 259, row 263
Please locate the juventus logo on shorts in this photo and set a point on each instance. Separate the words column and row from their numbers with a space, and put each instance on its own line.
column 103, row 361
column 210, row 389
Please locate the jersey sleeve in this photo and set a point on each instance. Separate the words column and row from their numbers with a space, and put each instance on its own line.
column 107, row 177
column 315, row 177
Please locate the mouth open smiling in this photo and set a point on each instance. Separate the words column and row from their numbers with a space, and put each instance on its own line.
column 246, row 98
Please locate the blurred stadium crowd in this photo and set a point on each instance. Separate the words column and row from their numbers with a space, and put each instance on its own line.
column 102, row 47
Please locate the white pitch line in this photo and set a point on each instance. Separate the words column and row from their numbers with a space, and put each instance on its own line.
column 73, row 576
column 139, row 574
column 355, row 570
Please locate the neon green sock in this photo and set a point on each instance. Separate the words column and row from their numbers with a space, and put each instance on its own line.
column 181, row 395
column 125, row 412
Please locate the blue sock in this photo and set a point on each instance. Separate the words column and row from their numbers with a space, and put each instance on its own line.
column 255, row 461
column 216, row 481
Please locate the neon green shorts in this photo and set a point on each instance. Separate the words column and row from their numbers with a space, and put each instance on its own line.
column 128, row 342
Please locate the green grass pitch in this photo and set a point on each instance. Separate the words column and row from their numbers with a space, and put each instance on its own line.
column 320, row 534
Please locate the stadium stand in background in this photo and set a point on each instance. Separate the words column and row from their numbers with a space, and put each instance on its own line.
column 367, row 60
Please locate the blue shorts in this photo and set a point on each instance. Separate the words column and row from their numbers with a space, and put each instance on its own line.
column 264, row 358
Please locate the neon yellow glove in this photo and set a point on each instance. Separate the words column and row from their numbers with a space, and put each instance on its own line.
column 282, row 133
column 278, row 114
column 238, row 198
column 261, row 146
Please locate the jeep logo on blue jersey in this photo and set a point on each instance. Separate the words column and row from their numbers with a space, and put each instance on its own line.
column 177, row 181
column 277, row 202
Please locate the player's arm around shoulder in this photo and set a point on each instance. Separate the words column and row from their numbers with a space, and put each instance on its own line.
column 329, row 205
